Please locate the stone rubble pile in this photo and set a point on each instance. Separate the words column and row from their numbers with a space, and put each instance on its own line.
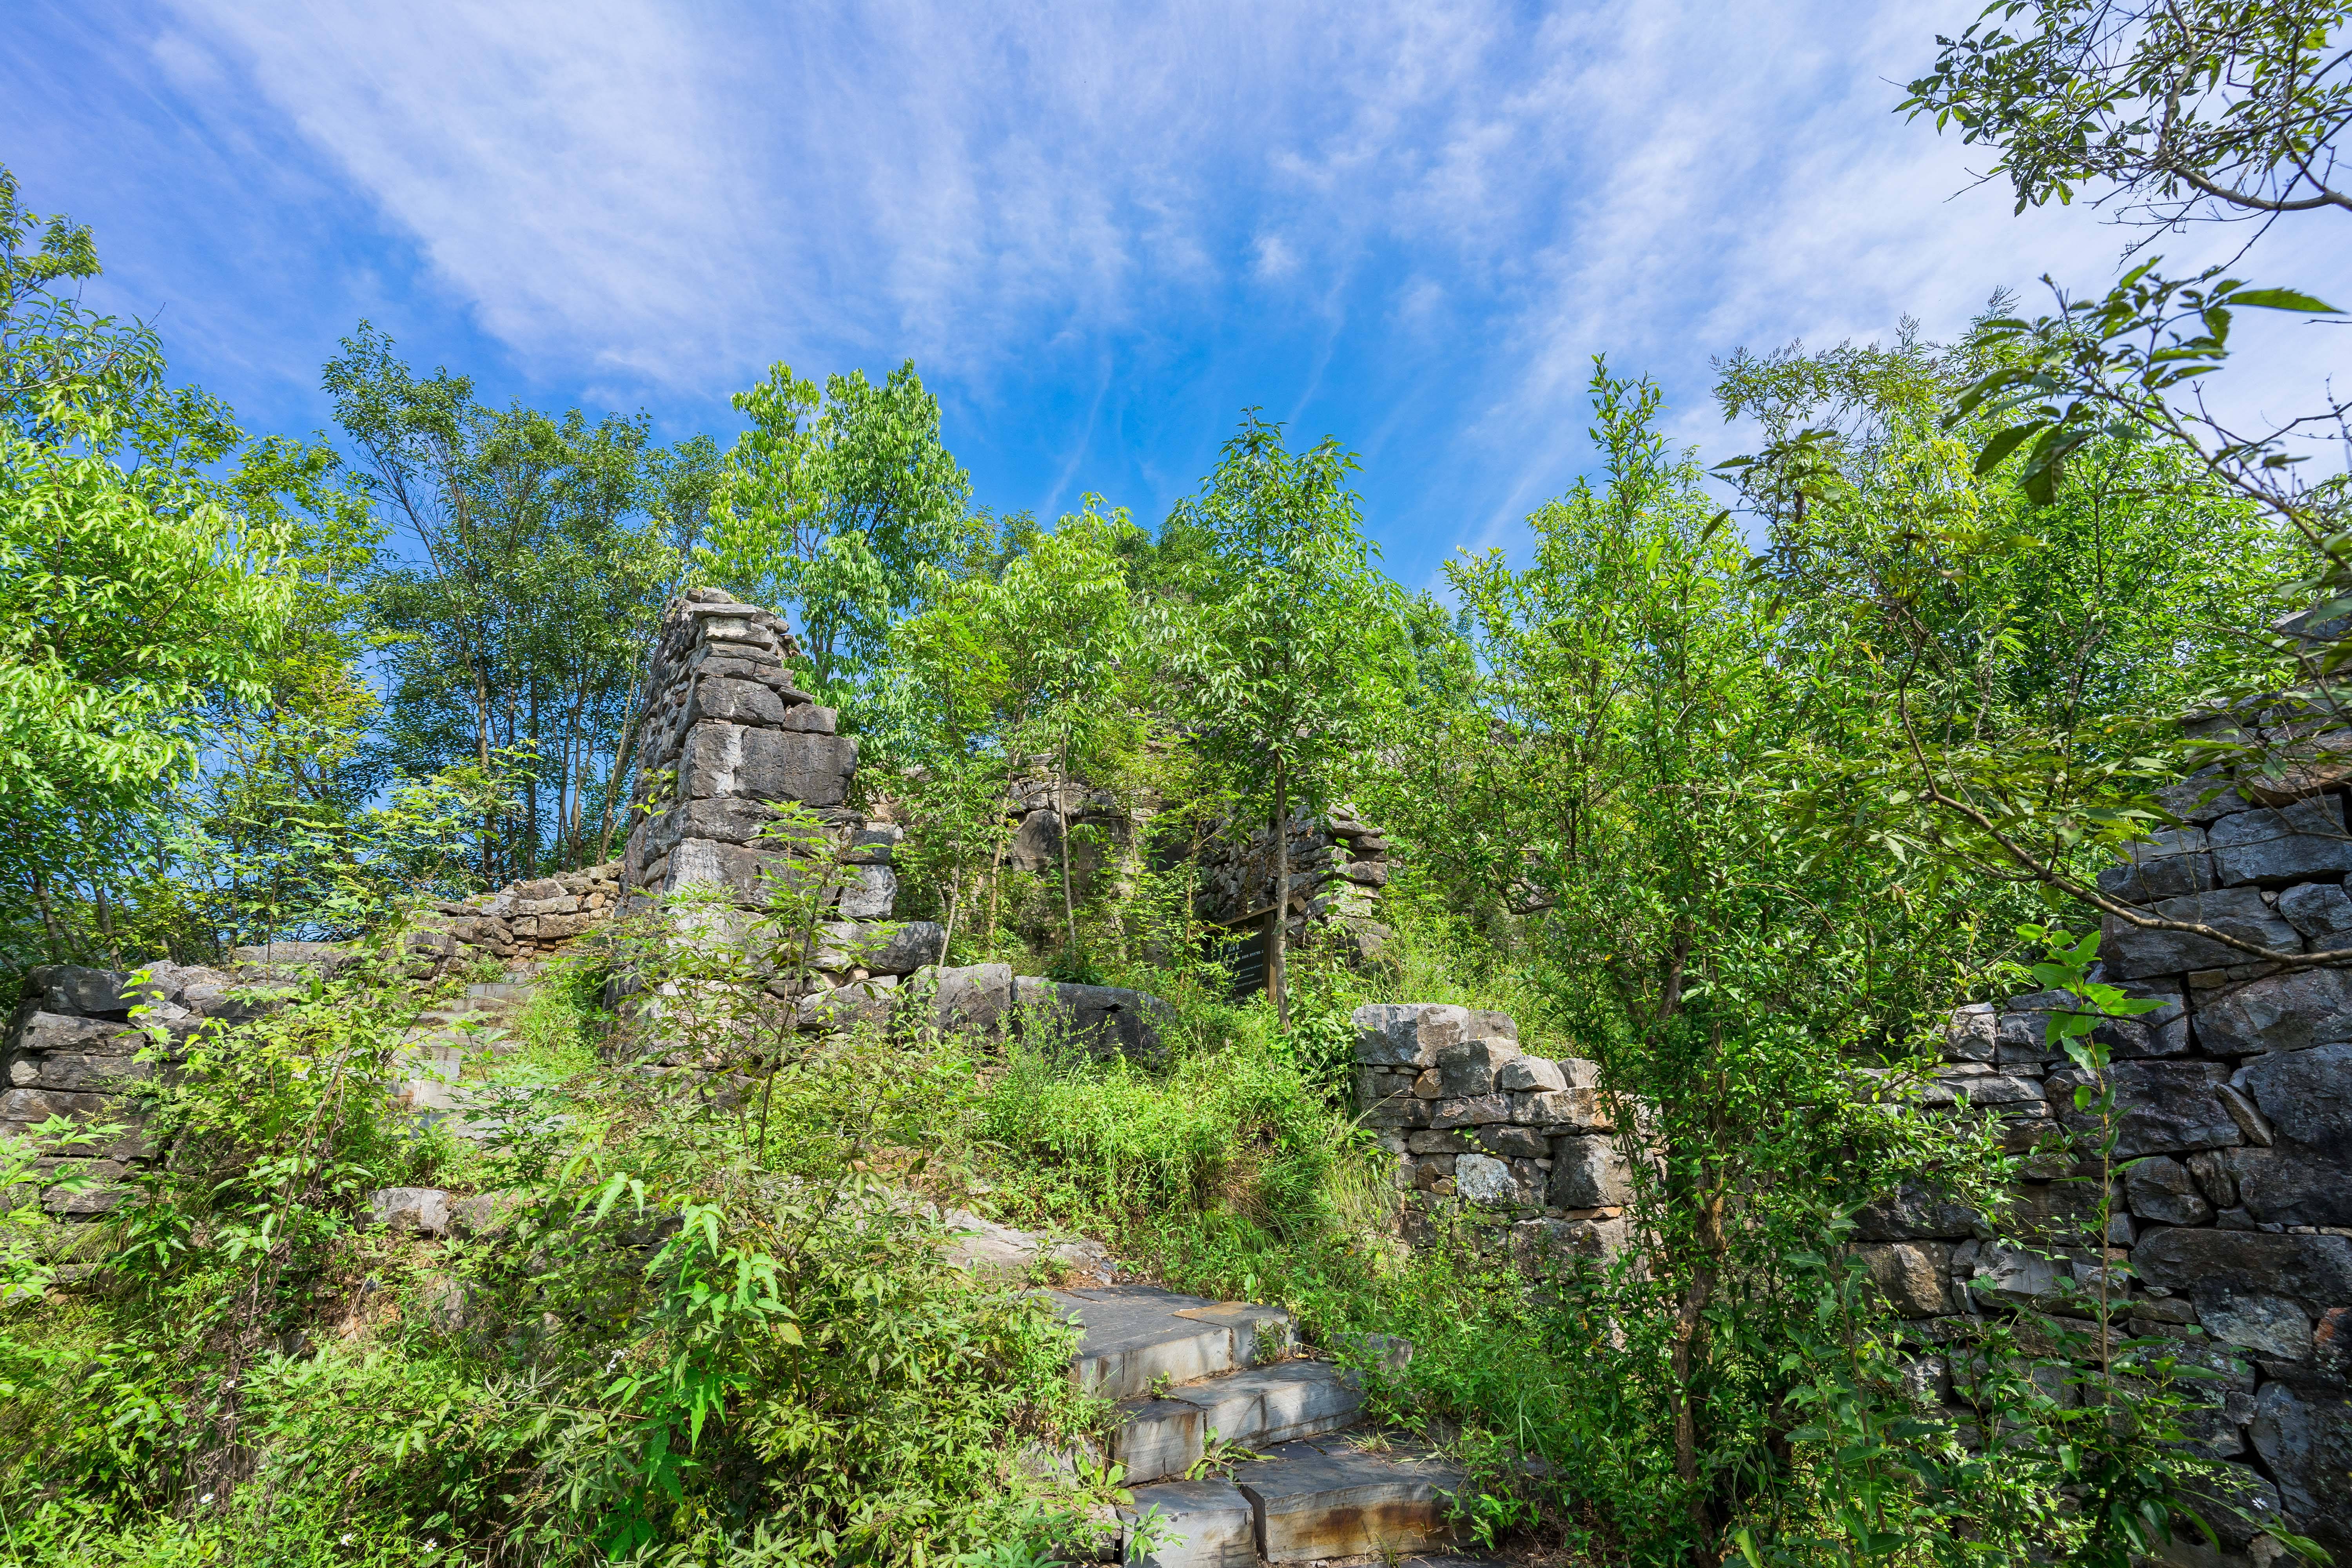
column 519, row 922
column 1472, row 1119
column 2232, row 1197
column 1338, row 867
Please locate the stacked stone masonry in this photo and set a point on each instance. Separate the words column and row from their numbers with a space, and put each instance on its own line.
column 1473, row 1121
column 2232, row 1197
column 724, row 736
column 72, row 1049
column 1338, row 867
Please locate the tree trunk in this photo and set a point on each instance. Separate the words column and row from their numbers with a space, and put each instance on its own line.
column 955, row 890
column 49, row 917
column 1277, row 933
column 1062, row 808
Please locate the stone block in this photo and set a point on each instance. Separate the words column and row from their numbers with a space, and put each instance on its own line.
column 860, row 1004
column 723, row 759
column 562, row 928
column 2172, row 862
column 404, row 1211
column 1407, row 1034
column 867, row 892
column 2012, row 1275
column 975, row 999
column 1505, row 1140
column 1476, row 1112
column 2286, row 1012
column 1588, row 1173
column 1439, row 1143
column 2276, row 845
column 2161, row 1033
column 2314, row 1270
column 2320, row 911
column 2306, row 1098
column 1468, row 1067
column 78, row 991
column 47, row 1032
column 1483, row 1179
column 2160, row 1189
column 1915, row 1211
column 1914, row 1276
column 2305, row 1435
column 1573, row 1110
column 1970, row 1032
column 81, row 1074
column 1103, row 1020
column 40, row 1104
column 1546, row 1246
column 2266, row 1325
column 2161, row 1107
column 2135, row 952
column 1526, row 1073
column 896, row 947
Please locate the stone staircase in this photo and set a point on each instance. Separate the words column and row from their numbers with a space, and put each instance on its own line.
column 1250, row 1451
column 433, row 1054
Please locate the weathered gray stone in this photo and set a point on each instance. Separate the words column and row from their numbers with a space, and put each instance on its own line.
column 76, row 991
column 1916, row 1275
column 1969, row 1034
column 2306, row 1098
column 1468, row 1067
column 2160, row 1189
column 1484, row 1180
column 1579, row 1109
column 720, row 759
column 82, row 1074
column 1407, row 1034
column 419, row 1211
column 1103, row 1020
column 867, row 892
column 2304, row 1435
column 2319, row 910
column 40, row 1104
column 48, row 1032
column 1440, row 1144
column 2133, row 952
column 1476, row 1112
column 1554, row 1245
column 1508, row 1141
column 860, row 1004
column 2170, row 863
column 2287, row 1012
column 2163, row 1032
column 2292, row 843
column 975, row 999
column 2013, row 1275
column 896, row 947
column 2314, row 1270
column 2161, row 1107
column 1588, row 1173
column 1524, row 1073
column 1915, row 1211
column 2267, row 1325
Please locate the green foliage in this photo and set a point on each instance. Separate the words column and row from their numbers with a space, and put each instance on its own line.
column 2213, row 104
column 852, row 516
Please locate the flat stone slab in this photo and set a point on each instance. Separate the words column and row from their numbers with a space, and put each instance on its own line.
column 1139, row 1335
column 1327, row 1498
column 1210, row 1524
column 1256, row 1408
column 986, row 1248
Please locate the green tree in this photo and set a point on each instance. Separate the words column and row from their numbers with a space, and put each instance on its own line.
column 845, row 505
column 516, row 636
column 1297, row 644
column 143, row 574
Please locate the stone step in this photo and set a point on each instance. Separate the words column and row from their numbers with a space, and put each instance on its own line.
column 1308, row 1501
column 515, row 993
column 1137, row 1336
column 1163, row 1436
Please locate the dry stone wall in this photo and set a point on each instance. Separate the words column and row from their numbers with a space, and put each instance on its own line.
column 2232, row 1193
column 1338, row 865
column 1472, row 1121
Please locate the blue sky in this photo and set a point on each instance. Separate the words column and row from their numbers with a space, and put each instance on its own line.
column 1100, row 231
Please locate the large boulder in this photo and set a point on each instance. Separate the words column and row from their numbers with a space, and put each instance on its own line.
column 1102, row 1020
column 2289, row 1012
column 2292, row 843
column 976, row 999
column 2304, row 1433
column 2161, row 1107
column 2312, row 1270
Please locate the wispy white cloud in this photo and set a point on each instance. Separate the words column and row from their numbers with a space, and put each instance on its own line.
column 1418, row 220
